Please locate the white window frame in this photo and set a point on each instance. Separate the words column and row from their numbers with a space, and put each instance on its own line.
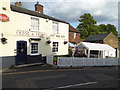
column 55, row 27
column 33, row 54
column 55, row 46
column 34, row 24
column 74, row 35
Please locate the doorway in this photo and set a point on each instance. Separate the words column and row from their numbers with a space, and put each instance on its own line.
column 21, row 52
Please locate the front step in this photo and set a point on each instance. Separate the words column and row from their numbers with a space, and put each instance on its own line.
column 26, row 65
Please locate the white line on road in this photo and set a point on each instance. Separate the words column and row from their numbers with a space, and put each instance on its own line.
column 73, row 85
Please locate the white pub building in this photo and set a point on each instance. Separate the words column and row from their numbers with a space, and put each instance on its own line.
column 28, row 36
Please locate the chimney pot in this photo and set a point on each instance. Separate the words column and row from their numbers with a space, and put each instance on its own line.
column 39, row 8
column 19, row 4
column 37, row 2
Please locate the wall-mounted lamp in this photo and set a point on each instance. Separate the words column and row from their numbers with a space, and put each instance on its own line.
column 3, row 40
column 48, row 42
column 4, row 8
column 65, row 42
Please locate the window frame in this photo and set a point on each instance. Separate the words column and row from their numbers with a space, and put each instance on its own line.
column 74, row 36
column 34, row 54
column 56, row 47
column 34, row 24
column 55, row 27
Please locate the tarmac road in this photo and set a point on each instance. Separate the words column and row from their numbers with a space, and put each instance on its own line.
column 52, row 79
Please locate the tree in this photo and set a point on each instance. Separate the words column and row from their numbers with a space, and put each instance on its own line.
column 112, row 28
column 108, row 28
column 87, row 25
column 102, row 28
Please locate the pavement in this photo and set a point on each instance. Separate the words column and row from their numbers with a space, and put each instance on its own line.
column 46, row 67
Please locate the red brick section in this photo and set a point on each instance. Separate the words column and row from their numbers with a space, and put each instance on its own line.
column 19, row 4
column 72, row 30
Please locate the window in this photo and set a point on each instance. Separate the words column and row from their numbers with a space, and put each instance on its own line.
column 34, row 48
column 55, row 47
column 55, row 28
column 34, row 24
column 74, row 35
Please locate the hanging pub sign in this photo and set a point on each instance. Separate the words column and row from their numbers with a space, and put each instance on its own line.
column 4, row 18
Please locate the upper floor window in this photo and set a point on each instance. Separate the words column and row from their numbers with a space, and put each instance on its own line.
column 74, row 35
column 55, row 28
column 34, row 24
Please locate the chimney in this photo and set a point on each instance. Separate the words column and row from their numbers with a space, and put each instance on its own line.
column 19, row 4
column 39, row 8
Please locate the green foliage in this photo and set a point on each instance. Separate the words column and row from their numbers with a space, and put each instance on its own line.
column 55, row 59
column 70, row 52
column 108, row 28
column 87, row 26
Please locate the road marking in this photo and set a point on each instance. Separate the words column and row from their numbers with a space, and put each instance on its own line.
column 68, row 86
column 25, row 72
column 40, row 71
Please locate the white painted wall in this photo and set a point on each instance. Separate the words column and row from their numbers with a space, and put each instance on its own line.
column 19, row 21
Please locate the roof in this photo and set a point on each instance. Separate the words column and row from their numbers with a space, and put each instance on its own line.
column 95, row 46
column 34, row 13
column 71, row 44
column 97, row 37
column 72, row 29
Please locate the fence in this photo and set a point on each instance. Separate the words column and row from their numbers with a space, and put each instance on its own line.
column 49, row 60
column 71, row 61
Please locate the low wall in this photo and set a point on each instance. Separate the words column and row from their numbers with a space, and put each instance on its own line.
column 7, row 62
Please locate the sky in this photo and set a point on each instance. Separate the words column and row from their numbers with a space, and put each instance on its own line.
column 103, row 11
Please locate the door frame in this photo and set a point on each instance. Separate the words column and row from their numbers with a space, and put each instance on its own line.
column 21, row 58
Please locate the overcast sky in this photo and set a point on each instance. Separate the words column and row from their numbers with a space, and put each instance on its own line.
column 103, row 11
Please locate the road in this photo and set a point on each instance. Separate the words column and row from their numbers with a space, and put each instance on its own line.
column 63, row 78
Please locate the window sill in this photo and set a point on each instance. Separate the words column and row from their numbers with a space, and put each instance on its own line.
column 34, row 30
column 34, row 54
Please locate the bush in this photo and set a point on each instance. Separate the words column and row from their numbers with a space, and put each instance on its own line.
column 55, row 59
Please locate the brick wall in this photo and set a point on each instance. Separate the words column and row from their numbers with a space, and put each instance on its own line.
column 111, row 40
column 72, row 39
column 39, row 8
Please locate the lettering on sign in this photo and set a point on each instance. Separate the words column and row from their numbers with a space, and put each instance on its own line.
column 58, row 36
column 4, row 18
column 32, row 34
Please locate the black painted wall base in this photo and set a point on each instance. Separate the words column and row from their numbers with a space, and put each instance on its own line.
column 36, row 59
column 8, row 61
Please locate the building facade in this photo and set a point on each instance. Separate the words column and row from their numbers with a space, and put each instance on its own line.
column 94, row 50
column 26, row 36
column 106, row 38
column 74, row 35
column 74, row 39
